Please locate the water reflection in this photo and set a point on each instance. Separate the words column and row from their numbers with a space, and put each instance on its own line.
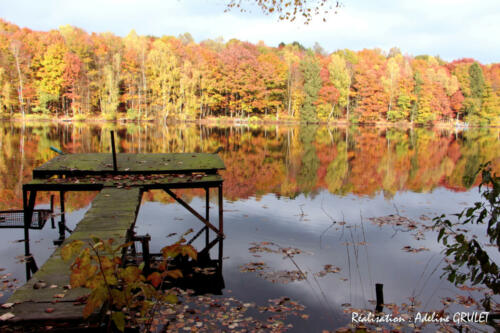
column 312, row 188
column 286, row 161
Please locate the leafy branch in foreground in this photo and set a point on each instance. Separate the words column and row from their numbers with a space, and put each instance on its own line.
column 289, row 10
column 468, row 251
column 126, row 294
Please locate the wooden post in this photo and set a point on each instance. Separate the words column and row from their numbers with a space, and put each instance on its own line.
column 145, row 253
column 221, row 209
column 379, row 290
column 113, row 151
column 207, row 213
column 26, row 223
column 28, row 207
column 52, row 222
column 62, row 223
column 221, row 253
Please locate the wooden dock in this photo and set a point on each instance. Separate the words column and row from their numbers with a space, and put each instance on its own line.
column 113, row 213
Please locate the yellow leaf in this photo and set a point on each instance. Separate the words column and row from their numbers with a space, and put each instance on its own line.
column 171, row 298
column 175, row 273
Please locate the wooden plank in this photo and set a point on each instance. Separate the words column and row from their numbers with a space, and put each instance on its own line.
column 112, row 214
column 99, row 163
column 30, row 311
column 96, row 183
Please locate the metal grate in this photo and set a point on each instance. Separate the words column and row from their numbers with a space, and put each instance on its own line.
column 15, row 218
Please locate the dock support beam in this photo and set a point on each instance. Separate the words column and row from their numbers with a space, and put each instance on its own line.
column 195, row 213
column 28, row 207
column 207, row 214
column 52, row 222
column 62, row 223
column 113, row 151
column 221, row 222
column 221, row 211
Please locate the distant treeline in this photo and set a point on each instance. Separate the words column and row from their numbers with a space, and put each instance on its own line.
column 71, row 73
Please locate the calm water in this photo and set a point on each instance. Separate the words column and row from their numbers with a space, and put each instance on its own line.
column 317, row 189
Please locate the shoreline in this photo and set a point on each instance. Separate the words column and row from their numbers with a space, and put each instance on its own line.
column 261, row 122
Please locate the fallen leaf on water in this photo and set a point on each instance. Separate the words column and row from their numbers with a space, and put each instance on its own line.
column 414, row 250
column 328, row 269
column 253, row 266
column 284, row 276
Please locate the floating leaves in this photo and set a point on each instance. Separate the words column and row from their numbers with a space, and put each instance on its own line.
column 253, row 267
column 284, row 276
column 395, row 220
column 403, row 223
column 270, row 247
column 414, row 250
column 328, row 269
column 205, row 313
column 279, row 276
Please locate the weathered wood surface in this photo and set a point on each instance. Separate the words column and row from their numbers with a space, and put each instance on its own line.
column 147, row 182
column 100, row 163
column 112, row 214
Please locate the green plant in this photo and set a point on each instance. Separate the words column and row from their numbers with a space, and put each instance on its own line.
column 467, row 250
column 132, row 114
column 122, row 291
column 80, row 117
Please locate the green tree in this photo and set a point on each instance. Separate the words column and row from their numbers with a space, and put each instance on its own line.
column 312, row 84
column 477, row 87
column 467, row 251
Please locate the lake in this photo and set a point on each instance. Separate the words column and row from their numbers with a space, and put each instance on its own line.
column 359, row 200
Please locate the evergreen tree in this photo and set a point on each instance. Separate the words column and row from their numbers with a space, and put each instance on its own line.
column 476, row 80
column 312, row 84
column 477, row 87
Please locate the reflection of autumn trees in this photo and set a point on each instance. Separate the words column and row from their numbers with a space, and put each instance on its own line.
column 254, row 162
column 307, row 177
column 366, row 176
column 286, row 161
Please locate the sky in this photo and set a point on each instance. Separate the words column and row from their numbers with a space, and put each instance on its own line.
column 452, row 29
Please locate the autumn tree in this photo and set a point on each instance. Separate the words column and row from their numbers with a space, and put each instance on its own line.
column 372, row 99
column 293, row 95
column 109, row 97
column 164, row 73
column 390, row 81
column 341, row 79
column 51, row 77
